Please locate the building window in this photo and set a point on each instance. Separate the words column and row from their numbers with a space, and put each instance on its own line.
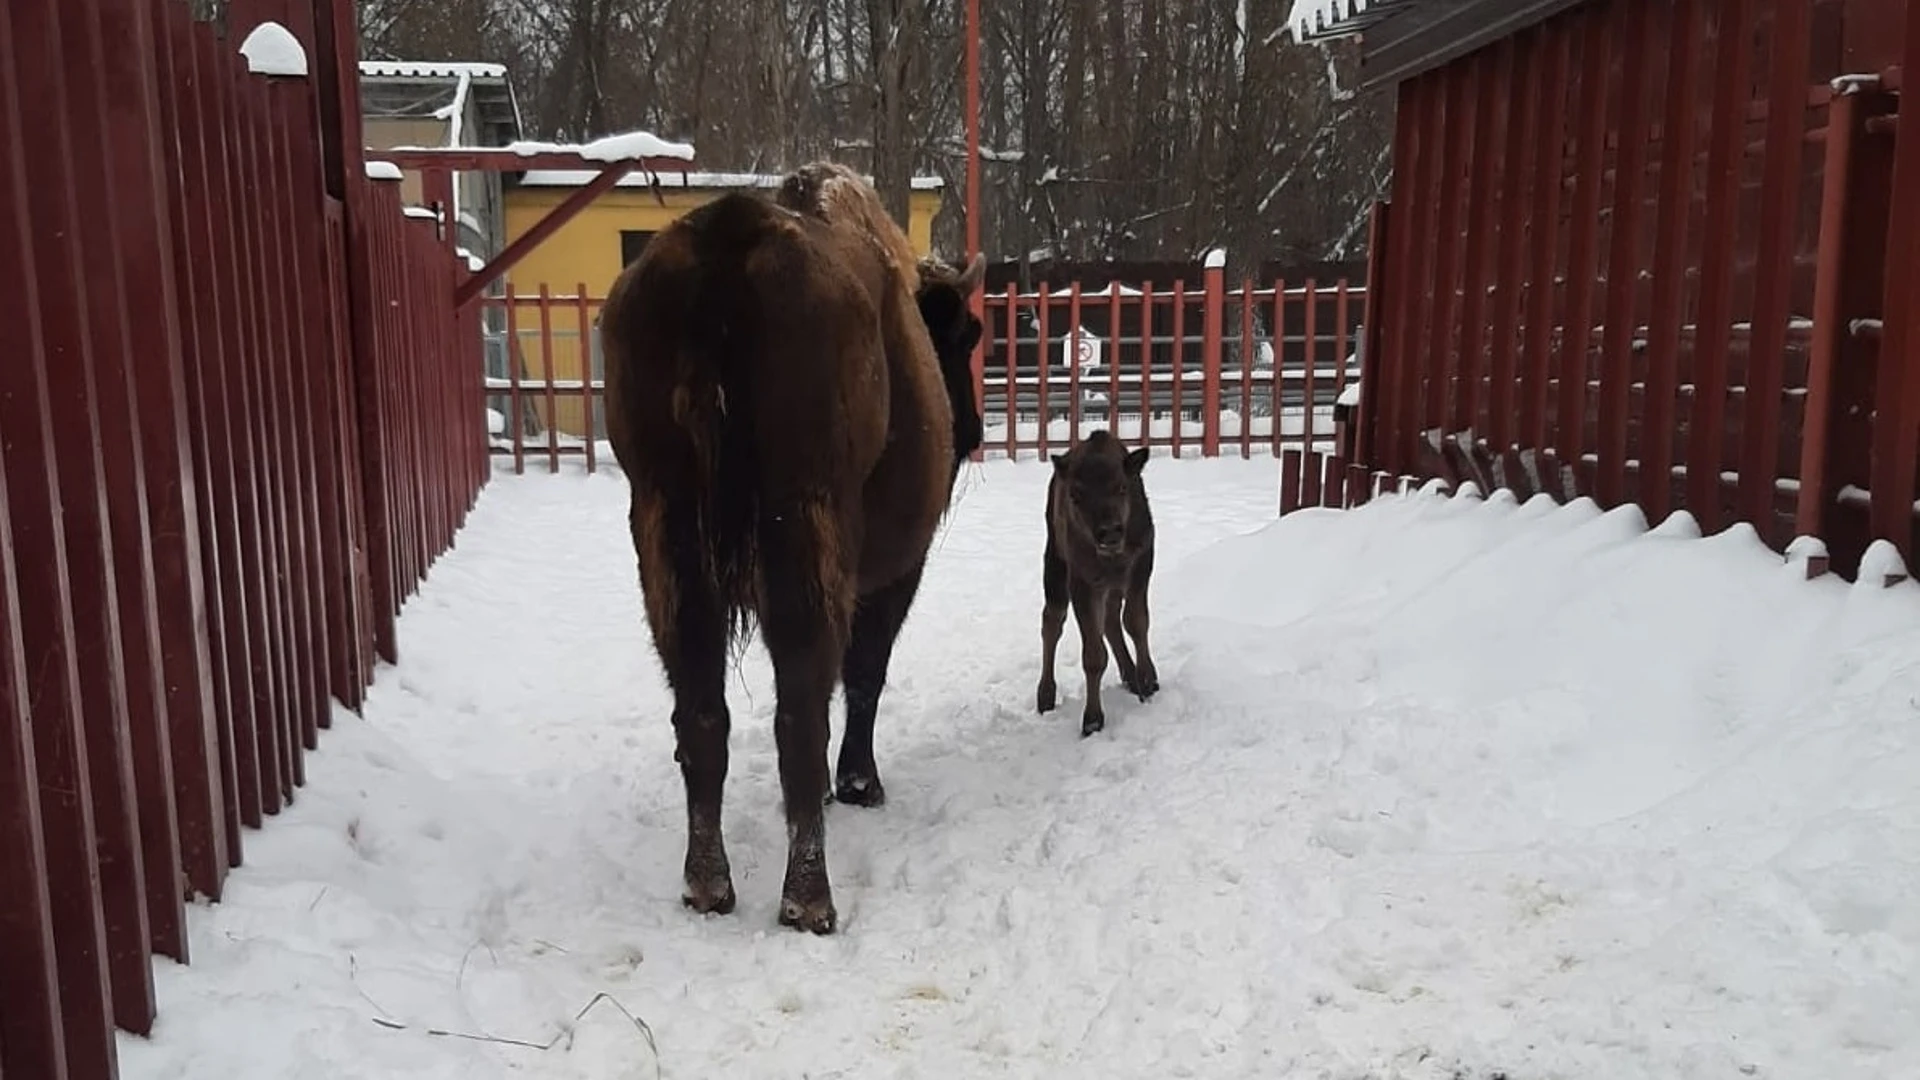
column 632, row 244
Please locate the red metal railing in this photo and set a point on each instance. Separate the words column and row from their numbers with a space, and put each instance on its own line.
column 238, row 419
column 1609, row 269
column 1200, row 371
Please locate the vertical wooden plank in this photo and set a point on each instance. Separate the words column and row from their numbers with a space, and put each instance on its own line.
column 1247, row 349
column 1485, row 217
column 1457, row 154
column 1522, row 86
column 1213, row 282
column 1623, row 257
column 1381, row 244
column 258, row 505
column 191, row 835
column 122, row 261
column 1670, row 261
column 1146, row 363
column 1309, row 360
column 31, row 1019
column 1550, row 87
column 85, row 319
column 1073, row 366
column 1043, row 354
column 1113, row 358
column 546, row 379
column 37, row 513
column 1013, row 371
column 1413, row 357
column 1277, row 389
column 1179, row 363
column 586, row 385
column 1598, row 32
column 1896, row 435
column 1726, row 147
column 204, row 190
column 1292, row 466
column 1773, row 285
column 300, row 178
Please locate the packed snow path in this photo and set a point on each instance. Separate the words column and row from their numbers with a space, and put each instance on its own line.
column 1435, row 789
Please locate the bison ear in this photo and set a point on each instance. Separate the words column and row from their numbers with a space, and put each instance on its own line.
column 1137, row 460
column 970, row 277
column 1060, row 464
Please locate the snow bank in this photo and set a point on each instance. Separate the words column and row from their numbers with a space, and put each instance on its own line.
column 1435, row 789
column 271, row 49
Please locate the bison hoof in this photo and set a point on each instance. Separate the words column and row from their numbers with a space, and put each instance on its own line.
column 710, row 898
column 1092, row 723
column 1047, row 697
column 864, row 791
column 817, row 917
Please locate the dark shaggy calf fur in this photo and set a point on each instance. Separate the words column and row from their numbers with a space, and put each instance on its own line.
column 1100, row 559
column 780, row 410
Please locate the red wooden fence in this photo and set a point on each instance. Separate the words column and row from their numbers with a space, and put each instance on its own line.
column 1647, row 251
column 238, row 418
column 1208, row 370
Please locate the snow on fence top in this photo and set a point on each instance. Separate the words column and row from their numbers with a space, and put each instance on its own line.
column 273, row 50
column 415, row 69
column 382, row 170
column 579, row 177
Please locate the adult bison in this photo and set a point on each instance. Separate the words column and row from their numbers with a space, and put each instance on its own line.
column 777, row 402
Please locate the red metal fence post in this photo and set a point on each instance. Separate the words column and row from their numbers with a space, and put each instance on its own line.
column 1214, row 282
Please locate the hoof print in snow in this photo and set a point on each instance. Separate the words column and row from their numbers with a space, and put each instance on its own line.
column 817, row 918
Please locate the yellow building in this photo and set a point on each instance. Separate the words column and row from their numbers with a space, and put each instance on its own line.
column 591, row 249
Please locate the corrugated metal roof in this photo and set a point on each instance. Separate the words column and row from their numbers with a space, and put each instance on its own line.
column 431, row 69
column 707, row 180
column 1311, row 19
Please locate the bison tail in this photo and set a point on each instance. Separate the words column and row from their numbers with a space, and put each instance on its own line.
column 724, row 332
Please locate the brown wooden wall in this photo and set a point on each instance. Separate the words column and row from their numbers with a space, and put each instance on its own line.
column 1603, row 268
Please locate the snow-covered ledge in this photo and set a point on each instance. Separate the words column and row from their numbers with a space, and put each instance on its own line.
column 383, row 170
column 273, row 50
column 627, row 146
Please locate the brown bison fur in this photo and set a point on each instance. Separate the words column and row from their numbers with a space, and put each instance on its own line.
column 782, row 415
column 1100, row 560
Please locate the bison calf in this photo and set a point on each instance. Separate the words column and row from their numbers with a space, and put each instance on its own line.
column 1099, row 558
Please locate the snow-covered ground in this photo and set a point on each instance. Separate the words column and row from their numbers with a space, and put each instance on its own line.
column 1435, row 789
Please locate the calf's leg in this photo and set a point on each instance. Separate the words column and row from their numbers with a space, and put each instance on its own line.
column 1147, row 679
column 1053, row 619
column 877, row 619
column 689, row 623
column 1117, row 641
column 1089, row 612
column 806, row 604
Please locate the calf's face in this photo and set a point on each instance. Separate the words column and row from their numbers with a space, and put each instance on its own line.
column 1099, row 476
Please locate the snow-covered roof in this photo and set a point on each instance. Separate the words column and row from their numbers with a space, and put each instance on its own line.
column 1332, row 18
column 707, row 180
column 431, row 69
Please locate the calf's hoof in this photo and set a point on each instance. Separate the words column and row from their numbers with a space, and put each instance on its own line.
column 815, row 917
column 856, row 790
column 1092, row 723
column 710, row 898
column 1047, row 697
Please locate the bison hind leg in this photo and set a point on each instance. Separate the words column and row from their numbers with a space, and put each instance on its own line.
column 806, row 602
column 687, row 612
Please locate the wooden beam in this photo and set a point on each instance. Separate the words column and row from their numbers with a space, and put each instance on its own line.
column 470, row 288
